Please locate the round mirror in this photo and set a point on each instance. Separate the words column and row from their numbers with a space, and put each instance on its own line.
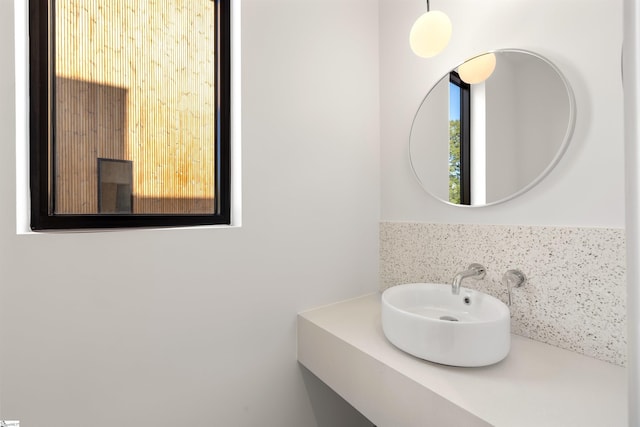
column 492, row 128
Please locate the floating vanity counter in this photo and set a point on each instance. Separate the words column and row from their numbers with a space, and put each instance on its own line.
column 536, row 385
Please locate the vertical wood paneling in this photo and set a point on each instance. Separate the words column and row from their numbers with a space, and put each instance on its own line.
column 135, row 81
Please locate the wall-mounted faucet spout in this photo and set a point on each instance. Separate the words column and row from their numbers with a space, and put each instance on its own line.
column 475, row 271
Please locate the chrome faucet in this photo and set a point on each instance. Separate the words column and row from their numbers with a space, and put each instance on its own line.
column 475, row 271
column 513, row 278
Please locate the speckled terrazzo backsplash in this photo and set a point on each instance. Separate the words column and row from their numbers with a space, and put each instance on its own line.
column 575, row 295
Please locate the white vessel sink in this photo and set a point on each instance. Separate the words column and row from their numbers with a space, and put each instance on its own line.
column 427, row 321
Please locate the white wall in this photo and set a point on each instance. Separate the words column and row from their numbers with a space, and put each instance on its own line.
column 502, row 142
column 197, row 326
column 582, row 37
column 632, row 174
column 528, row 112
column 430, row 135
column 544, row 97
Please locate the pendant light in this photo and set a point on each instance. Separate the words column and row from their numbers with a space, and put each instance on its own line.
column 478, row 69
column 431, row 33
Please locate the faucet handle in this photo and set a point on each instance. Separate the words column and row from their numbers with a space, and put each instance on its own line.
column 513, row 278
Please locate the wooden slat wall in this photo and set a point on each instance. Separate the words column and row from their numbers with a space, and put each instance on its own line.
column 135, row 81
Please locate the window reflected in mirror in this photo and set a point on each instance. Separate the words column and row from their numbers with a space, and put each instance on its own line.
column 459, row 140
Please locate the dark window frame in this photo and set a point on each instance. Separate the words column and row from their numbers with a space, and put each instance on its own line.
column 465, row 137
column 42, row 131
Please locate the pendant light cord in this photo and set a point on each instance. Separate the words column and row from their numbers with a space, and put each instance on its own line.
column 428, row 7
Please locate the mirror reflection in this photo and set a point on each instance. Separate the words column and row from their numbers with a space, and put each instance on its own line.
column 491, row 128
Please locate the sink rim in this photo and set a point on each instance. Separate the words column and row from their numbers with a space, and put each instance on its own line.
column 502, row 309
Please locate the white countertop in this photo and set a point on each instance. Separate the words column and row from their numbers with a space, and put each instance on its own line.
column 537, row 385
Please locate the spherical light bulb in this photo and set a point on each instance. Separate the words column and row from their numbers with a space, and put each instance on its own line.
column 478, row 69
column 430, row 34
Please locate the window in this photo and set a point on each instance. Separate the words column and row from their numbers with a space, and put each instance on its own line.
column 115, row 184
column 459, row 140
column 129, row 113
